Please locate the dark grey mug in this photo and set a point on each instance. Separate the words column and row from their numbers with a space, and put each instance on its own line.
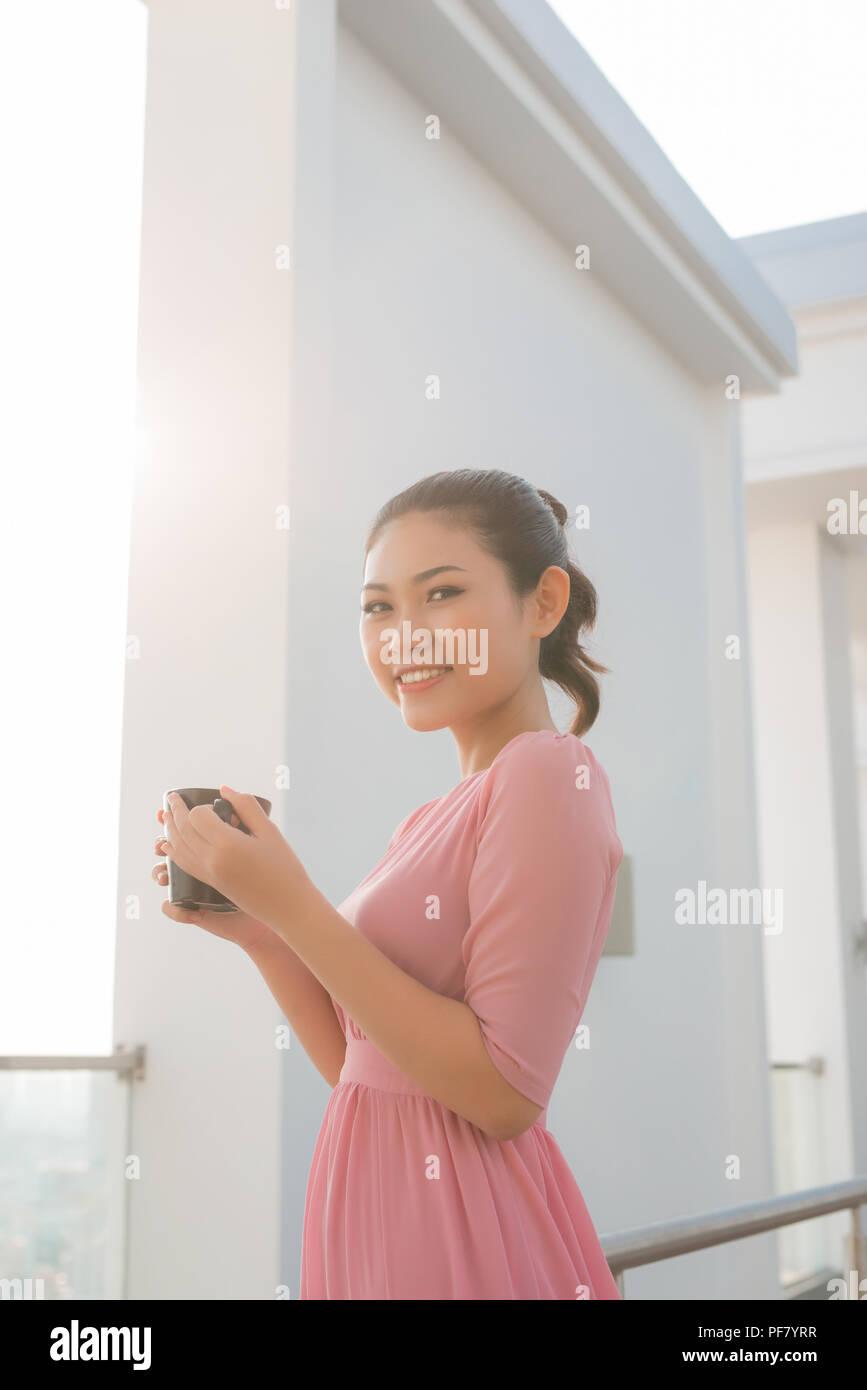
column 184, row 890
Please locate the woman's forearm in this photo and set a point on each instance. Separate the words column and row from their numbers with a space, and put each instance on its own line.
column 304, row 1002
column 434, row 1040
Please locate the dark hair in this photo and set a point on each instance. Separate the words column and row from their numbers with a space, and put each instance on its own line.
column 525, row 528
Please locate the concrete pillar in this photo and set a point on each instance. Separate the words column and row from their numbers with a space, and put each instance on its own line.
column 222, row 374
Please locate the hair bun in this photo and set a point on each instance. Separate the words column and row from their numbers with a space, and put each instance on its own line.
column 556, row 507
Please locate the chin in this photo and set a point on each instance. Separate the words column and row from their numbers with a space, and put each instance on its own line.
column 426, row 723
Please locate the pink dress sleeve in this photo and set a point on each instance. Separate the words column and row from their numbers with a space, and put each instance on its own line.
column 540, row 896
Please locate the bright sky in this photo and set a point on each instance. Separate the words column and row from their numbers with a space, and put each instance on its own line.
column 71, row 125
column 760, row 104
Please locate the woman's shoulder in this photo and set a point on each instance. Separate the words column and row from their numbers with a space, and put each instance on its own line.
column 539, row 754
column 534, row 769
column 540, row 772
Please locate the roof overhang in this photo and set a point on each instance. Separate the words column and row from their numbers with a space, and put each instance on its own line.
column 519, row 91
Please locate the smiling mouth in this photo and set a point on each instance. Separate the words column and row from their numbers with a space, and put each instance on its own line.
column 424, row 675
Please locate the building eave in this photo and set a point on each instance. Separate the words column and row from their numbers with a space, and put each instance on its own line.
column 521, row 93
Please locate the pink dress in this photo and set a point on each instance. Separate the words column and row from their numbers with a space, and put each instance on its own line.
column 500, row 894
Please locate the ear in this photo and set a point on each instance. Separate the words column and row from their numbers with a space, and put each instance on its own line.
column 552, row 599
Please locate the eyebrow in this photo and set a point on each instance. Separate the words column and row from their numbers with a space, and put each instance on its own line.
column 417, row 578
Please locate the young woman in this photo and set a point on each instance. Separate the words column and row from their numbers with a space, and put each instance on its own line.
column 441, row 997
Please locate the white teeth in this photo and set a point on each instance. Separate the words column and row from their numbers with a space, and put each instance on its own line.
column 424, row 675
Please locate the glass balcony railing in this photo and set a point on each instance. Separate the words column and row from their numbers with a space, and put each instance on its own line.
column 65, row 1168
column 811, row 1248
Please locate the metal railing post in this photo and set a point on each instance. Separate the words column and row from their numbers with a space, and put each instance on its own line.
column 855, row 1246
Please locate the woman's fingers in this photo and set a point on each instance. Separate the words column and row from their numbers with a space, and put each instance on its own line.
column 181, row 825
column 247, row 807
column 180, row 914
column 159, row 844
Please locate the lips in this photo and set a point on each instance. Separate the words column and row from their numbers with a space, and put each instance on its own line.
column 429, row 672
column 421, row 679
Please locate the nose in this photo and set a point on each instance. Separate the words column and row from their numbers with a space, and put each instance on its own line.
column 395, row 638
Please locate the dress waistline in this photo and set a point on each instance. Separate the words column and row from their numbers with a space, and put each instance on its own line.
column 365, row 1063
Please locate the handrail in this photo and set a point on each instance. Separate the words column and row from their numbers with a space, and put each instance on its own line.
column 644, row 1245
column 125, row 1061
column 816, row 1065
column 630, row 1249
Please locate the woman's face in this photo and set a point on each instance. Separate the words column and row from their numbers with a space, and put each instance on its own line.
column 429, row 574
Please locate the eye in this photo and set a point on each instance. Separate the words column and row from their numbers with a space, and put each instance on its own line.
column 376, row 605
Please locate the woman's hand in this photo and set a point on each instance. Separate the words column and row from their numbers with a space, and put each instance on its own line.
column 244, row 930
column 258, row 871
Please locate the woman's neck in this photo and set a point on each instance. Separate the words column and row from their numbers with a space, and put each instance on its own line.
column 479, row 743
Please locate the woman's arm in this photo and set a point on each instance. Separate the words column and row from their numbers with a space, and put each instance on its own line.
column 304, row 1002
column 434, row 1040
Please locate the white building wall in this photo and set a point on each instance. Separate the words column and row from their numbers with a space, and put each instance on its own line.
column 439, row 271
column 816, row 425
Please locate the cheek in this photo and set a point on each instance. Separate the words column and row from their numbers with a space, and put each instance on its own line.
column 503, row 652
column 382, row 672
